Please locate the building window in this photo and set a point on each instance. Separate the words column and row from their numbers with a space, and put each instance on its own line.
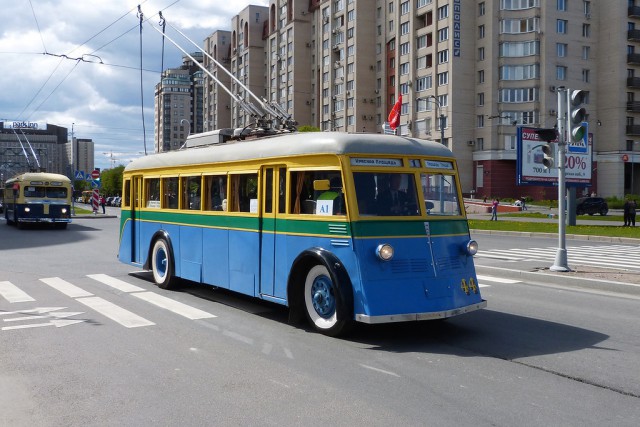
column 421, row 42
column 443, row 56
column 443, row 12
column 404, row 48
column 480, row 99
column 480, row 120
column 586, row 50
column 481, row 9
column 562, row 5
column 519, row 49
column 481, row 31
column 561, row 26
column 481, row 76
column 518, row 26
column 585, row 76
column 480, row 54
column 405, row 7
column 561, row 72
column 519, row 72
column 443, row 78
column 443, row 34
column 586, row 30
column 404, row 28
column 561, row 49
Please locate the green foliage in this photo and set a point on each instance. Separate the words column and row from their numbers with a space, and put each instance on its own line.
column 111, row 181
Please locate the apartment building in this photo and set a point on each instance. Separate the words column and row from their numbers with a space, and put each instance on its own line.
column 469, row 73
column 179, row 104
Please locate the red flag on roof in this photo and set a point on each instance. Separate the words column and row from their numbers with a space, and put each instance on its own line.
column 394, row 115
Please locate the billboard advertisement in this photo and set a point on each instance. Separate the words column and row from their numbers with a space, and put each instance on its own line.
column 530, row 168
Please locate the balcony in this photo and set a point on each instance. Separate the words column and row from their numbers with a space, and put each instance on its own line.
column 633, row 58
column 633, row 12
column 633, row 35
column 633, row 106
column 633, row 82
column 633, row 130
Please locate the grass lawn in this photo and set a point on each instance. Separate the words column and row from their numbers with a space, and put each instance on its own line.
column 589, row 217
column 548, row 227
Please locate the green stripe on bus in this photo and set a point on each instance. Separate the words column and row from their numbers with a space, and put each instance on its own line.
column 310, row 227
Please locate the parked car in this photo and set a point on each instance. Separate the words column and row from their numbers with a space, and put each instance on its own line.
column 591, row 206
column 116, row 201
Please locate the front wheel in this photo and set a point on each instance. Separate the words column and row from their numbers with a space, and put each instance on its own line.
column 322, row 306
column 162, row 265
column 603, row 212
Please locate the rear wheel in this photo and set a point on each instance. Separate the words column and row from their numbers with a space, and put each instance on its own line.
column 162, row 264
column 603, row 212
column 322, row 306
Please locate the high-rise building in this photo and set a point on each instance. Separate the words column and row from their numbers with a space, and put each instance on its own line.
column 470, row 74
column 179, row 104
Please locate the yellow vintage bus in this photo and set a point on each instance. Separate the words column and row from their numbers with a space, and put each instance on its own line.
column 38, row 197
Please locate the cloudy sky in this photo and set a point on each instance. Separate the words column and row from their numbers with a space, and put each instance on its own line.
column 76, row 64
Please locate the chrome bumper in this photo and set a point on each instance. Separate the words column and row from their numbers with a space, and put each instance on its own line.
column 420, row 316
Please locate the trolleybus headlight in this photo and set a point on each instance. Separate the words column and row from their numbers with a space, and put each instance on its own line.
column 472, row 247
column 384, row 252
column 64, row 210
column 27, row 209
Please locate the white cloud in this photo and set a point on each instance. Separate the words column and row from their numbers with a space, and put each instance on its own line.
column 99, row 101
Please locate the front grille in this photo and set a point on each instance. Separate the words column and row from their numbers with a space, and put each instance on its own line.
column 410, row 265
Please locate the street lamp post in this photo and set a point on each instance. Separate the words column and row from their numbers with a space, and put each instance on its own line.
column 188, row 132
column 442, row 117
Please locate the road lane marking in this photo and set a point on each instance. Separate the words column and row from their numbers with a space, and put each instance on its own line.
column 115, row 313
column 380, row 370
column 12, row 293
column 66, row 288
column 497, row 279
column 57, row 323
column 173, row 306
column 118, row 284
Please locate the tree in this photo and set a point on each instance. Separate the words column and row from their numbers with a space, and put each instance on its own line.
column 111, row 181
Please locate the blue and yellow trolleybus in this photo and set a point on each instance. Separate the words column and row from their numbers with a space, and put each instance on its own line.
column 38, row 197
column 339, row 227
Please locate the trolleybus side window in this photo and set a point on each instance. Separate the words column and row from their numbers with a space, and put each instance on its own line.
column 170, row 193
column 268, row 190
column 243, row 195
column 152, row 192
column 440, row 194
column 56, row 192
column 215, row 192
column 125, row 194
column 191, row 192
column 317, row 193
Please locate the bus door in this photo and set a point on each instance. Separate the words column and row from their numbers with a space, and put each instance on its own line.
column 273, row 192
column 136, row 189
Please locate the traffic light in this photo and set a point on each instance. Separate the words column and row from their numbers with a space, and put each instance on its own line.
column 547, row 135
column 577, row 115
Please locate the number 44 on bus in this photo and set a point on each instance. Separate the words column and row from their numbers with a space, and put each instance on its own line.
column 341, row 228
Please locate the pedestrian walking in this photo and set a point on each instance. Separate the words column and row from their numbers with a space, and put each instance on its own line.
column 626, row 208
column 632, row 213
column 103, row 203
column 494, row 210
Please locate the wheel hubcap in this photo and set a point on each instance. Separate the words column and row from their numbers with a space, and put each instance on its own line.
column 161, row 263
column 322, row 296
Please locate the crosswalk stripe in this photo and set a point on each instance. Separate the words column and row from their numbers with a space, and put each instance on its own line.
column 66, row 288
column 12, row 293
column 173, row 306
column 115, row 313
column 118, row 284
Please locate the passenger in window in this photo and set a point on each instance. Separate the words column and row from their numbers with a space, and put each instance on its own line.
column 392, row 200
column 335, row 194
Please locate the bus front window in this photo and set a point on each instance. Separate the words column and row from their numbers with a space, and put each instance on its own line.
column 386, row 194
column 440, row 194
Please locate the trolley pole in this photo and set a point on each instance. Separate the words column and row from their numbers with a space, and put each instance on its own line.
column 560, row 263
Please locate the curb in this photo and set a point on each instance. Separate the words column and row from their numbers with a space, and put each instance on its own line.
column 564, row 281
column 92, row 216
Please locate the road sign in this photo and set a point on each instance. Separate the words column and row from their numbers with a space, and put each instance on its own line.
column 95, row 174
column 79, row 175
